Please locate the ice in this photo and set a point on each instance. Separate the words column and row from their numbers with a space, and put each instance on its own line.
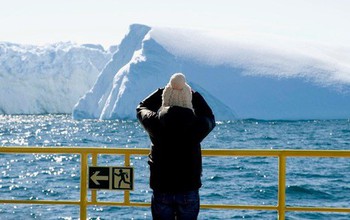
column 241, row 76
column 47, row 79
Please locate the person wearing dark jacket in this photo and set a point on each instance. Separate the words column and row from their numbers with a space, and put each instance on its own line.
column 176, row 119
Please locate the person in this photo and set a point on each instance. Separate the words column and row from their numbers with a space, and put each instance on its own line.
column 176, row 119
column 122, row 175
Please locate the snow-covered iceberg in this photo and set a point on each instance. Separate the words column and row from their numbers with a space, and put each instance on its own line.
column 241, row 75
column 47, row 79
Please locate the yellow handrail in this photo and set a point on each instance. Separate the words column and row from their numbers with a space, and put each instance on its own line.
column 282, row 155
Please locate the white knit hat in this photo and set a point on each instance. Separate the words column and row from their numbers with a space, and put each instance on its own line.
column 177, row 92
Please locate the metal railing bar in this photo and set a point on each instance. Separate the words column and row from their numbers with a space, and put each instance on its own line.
column 75, row 150
column 245, row 207
column 281, row 187
column 205, row 152
column 40, row 202
column 83, row 185
column 204, row 206
column 130, row 204
column 94, row 163
column 127, row 193
column 317, row 209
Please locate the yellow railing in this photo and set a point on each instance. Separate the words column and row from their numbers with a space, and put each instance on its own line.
column 282, row 155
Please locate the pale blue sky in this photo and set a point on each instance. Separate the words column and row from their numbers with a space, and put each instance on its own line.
column 106, row 21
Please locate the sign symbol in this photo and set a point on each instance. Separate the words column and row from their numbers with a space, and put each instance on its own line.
column 95, row 178
column 112, row 178
column 121, row 174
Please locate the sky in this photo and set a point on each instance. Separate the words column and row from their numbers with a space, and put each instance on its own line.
column 106, row 22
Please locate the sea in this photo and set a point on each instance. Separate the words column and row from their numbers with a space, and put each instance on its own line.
column 226, row 180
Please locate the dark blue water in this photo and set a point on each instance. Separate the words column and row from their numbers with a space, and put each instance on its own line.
column 226, row 180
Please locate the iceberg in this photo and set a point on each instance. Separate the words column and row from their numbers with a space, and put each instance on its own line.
column 241, row 75
column 47, row 79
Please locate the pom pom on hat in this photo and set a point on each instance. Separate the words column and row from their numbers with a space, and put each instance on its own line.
column 178, row 81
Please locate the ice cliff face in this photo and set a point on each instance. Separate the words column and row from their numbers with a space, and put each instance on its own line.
column 240, row 76
column 139, row 67
column 47, row 79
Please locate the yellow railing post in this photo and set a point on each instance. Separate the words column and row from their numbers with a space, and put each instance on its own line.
column 281, row 186
column 126, row 192
column 94, row 192
column 83, row 186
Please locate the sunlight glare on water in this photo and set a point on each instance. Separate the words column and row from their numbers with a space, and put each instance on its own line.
column 226, row 180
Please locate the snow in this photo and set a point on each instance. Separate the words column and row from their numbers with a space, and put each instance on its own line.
column 259, row 54
column 47, row 79
column 242, row 75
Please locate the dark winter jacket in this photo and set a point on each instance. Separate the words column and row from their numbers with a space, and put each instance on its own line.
column 175, row 132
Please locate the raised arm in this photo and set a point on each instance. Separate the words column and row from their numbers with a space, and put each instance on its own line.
column 205, row 117
column 146, row 112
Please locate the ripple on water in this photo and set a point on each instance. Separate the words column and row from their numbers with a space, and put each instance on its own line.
column 225, row 180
